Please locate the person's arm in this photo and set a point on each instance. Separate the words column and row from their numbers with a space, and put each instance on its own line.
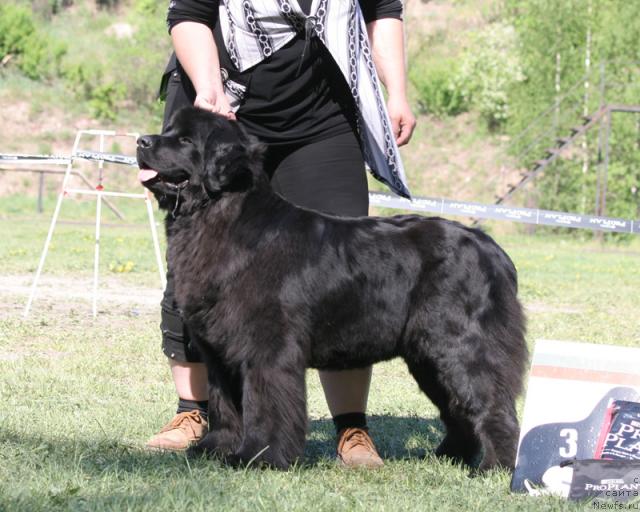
column 386, row 37
column 198, row 55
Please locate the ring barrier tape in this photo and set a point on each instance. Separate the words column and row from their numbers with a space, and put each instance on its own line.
column 64, row 160
column 439, row 206
column 509, row 213
column 34, row 159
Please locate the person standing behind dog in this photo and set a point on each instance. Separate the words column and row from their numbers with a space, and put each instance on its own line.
column 300, row 76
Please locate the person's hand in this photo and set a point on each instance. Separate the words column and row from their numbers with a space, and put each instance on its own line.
column 214, row 102
column 402, row 120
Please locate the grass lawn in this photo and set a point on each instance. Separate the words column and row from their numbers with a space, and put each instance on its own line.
column 80, row 396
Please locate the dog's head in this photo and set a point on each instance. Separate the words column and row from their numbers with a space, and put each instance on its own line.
column 199, row 156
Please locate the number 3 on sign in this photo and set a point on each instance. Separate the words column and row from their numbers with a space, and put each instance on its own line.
column 570, row 436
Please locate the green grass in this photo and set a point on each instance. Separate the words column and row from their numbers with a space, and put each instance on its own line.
column 126, row 246
column 81, row 396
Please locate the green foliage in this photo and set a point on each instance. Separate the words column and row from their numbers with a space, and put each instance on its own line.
column 617, row 34
column 438, row 86
column 104, row 100
column 45, row 9
column 37, row 55
column 107, row 4
column 104, row 73
column 623, row 180
column 480, row 79
column 490, row 68
column 43, row 57
column 554, row 51
column 146, row 53
column 87, row 81
column 147, row 7
column 16, row 28
column 110, row 74
column 561, row 188
column 57, row 5
column 552, row 36
column 80, row 77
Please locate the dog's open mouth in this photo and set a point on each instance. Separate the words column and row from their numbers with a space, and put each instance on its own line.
column 148, row 176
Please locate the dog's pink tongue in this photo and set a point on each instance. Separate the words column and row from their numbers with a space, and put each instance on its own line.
column 146, row 175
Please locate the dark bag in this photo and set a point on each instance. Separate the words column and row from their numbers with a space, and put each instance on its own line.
column 617, row 480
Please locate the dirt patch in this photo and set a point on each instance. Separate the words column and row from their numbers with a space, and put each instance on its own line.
column 11, row 356
column 540, row 307
column 72, row 296
column 23, row 127
column 17, row 355
column 447, row 159
column 427, row 19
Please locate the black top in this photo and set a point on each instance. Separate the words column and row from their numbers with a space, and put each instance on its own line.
column 298, row 95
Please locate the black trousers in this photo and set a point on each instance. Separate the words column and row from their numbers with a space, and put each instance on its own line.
column 326, row 175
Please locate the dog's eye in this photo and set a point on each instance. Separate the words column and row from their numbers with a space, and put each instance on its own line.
column 185, row 140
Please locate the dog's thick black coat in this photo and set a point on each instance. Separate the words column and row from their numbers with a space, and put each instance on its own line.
column 269, row 289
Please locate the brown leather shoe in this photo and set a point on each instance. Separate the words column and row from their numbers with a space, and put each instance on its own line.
column 183, row 431
column 356, row 449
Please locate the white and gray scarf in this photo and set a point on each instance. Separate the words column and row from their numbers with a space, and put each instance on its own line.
column 254, row 29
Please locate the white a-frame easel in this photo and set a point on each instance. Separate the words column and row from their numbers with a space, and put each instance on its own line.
column 99, row 192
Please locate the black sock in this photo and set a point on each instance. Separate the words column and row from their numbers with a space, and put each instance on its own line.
column 201, row 406
column 350, row 420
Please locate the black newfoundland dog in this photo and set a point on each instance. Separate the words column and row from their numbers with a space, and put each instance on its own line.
column 269, row 289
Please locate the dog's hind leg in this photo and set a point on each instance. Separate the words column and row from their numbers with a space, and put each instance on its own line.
column 225, row 412
column 460, row 442
column 274, row 415
column 478, row 413
column 499, row 431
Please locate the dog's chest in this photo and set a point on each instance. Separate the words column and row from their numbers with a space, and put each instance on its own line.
column 202, row 259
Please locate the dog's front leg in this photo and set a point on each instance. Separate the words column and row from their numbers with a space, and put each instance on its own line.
column 274, row 415
column 225, row 412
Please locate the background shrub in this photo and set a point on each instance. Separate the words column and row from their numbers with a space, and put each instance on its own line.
column 104, row 100
column 16, row 28
column 490, row 68
column 438, row 86
column 37, row 55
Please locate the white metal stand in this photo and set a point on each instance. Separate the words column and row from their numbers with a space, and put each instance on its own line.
column 99, row 193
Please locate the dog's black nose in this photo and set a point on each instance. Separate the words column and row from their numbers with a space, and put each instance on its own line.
column 145, row 141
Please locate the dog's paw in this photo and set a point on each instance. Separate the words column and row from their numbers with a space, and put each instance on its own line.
column 458, row 452
column 214, row 444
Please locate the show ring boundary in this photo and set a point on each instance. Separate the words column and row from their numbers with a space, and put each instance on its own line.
column 440, row 206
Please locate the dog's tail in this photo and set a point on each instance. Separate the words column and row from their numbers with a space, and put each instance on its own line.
column 505, row 319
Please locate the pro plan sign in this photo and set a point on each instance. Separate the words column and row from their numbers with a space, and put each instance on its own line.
column 571, row 386
column 613, row 488
column 617, row 480
column 620, row 436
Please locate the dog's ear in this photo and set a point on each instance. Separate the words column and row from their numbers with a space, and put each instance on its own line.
column 227, row 164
